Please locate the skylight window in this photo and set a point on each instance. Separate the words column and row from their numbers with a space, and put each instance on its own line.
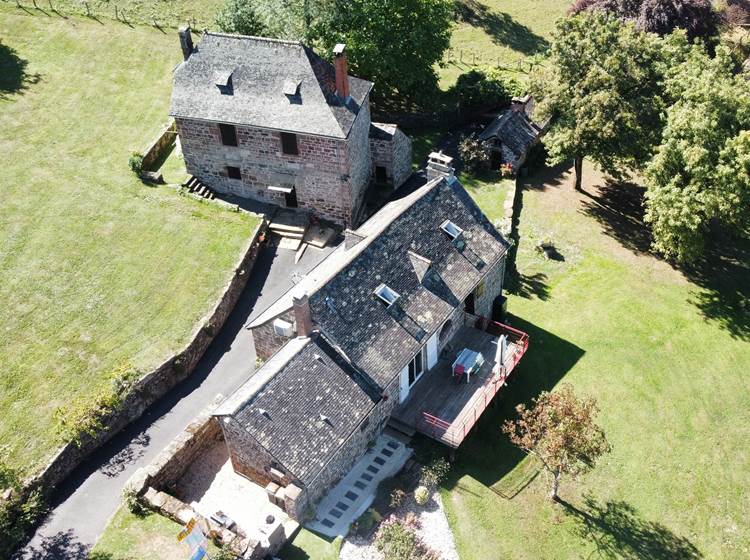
column 451, row 229
column 386, row 295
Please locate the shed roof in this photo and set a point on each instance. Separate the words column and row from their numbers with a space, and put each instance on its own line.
column 275, row 84
column 515, row 129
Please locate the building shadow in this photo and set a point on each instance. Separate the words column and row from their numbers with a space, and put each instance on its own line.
column 618, row 207
column 487, row 455
column 503, row 29
column 723, row 278
column 619, row 532
column 13, row 75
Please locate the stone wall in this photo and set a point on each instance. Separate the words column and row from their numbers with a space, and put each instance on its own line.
column 493, row 286
column 451, row 326
column 329, row 175
column 402, row 156
column 265, row 339
column 155, row 384
column 154, row 150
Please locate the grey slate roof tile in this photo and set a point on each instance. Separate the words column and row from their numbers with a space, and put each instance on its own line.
column 381, row 340
column 262, row 70
column 515, row 130
column 312, row 405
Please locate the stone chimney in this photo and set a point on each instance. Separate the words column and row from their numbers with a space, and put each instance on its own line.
column 523, row 103
column 439, row 165
column 342, row 76
column 186, row 41
column 302, row 314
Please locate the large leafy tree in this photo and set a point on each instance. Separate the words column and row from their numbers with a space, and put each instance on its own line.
column 697, row 17
column 560, row 430
column 240, row 16
column 395, row 43
column 700, row 175
column 601, row 88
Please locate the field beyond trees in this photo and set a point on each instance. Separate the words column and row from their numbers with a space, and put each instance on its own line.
column 98, row 272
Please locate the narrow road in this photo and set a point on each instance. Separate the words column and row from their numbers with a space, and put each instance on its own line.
column 82, row 506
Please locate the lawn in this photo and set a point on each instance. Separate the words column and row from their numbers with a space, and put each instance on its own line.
column 665, row 355
column 500, row 33
column 128, row 537
column 97, row 271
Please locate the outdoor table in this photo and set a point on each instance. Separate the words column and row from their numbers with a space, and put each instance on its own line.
column 468, row 362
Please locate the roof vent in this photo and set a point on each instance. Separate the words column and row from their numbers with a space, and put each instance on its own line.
column 324, row 418
column 291, row 87
column 264, row 412
column 451, row 229
column 386, row 295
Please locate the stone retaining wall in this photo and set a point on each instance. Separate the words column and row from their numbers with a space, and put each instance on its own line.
column 154, row 151
column 155, row 384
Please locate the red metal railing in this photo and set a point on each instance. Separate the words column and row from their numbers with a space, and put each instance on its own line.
column 454, row 433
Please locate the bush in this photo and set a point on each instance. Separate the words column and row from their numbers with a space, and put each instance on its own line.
column 478, row 89
column 365, row 522
column 19, row 513
column 421, row 495
column 134, row 505
column 473, row 154
column 397, row 541
column 136, row 162
column 397, row 498
column 239, row 16
column 433, row 474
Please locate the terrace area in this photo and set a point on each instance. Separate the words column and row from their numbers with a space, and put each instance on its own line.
column 444, row 409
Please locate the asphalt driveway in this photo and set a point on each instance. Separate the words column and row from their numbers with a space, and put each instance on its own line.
column 90, row 496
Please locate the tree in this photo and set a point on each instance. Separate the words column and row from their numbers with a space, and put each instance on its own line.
column 479, row 89
column 601, row 88
column 239, row 16
column 700, row 175
column 697, row 17
column 395, row 43
column 559, row 429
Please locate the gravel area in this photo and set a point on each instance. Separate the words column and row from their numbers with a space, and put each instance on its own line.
column 434, row 530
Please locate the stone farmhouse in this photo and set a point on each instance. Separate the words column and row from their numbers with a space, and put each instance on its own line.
column 512, row 134
column 368, row 339
column 272, row 121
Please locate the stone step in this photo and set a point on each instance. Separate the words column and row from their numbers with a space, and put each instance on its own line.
column 401, row 427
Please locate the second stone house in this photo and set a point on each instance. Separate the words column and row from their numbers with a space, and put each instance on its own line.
column 271, row 120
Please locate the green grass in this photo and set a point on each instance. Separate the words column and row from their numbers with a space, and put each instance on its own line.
column 97, row 270
column 307, row 545
column 666, row 358
column 489, row 192
column 164, row 13
column 129, row 537
column 500, row 33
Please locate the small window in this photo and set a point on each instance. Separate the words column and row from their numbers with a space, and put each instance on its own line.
column 228, row 134
column 234, row 172
column 386, row 295
column 289, row 143
column 451, row 229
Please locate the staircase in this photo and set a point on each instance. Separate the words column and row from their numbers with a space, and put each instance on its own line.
column 291, row 227
column 194, row 186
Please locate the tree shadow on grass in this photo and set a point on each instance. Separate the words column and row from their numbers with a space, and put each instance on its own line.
column 487, row 455
column 529, row 286
column 620, row 533
column 618, row 207
column 724, row 280
column 13, row 76
column 503, row 29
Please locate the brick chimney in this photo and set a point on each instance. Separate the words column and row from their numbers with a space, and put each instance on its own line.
column 186, row 41
column 302, row 314
column 342, row 76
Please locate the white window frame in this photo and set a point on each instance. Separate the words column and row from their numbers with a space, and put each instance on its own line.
column 386, row 295
column 420, row 358
column 451, row 230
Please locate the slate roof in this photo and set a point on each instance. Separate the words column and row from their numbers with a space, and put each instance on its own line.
column 515, row 130
column 381, row 340
column 261, row 71
column 312, row 404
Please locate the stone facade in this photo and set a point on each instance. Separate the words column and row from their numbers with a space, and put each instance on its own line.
column 265, row 339
column 491, row 287
column 394, row 155
column 330, row 176
column 249, row 458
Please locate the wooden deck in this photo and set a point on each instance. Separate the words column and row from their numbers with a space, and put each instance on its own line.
column 445, row 410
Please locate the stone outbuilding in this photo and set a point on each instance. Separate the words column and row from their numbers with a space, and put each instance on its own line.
column 271, row 120
column 512, row 134
column 391, row 154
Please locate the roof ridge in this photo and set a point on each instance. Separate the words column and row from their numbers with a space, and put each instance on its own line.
column 255, row 38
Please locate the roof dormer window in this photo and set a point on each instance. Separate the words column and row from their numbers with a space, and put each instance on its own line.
column 291, row 88
column 386, row 295
column 451, row 230
column 223, row 81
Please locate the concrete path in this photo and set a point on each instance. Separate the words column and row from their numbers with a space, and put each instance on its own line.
column 90, row 496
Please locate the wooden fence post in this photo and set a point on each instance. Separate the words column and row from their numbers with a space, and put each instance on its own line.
column 117, row 15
